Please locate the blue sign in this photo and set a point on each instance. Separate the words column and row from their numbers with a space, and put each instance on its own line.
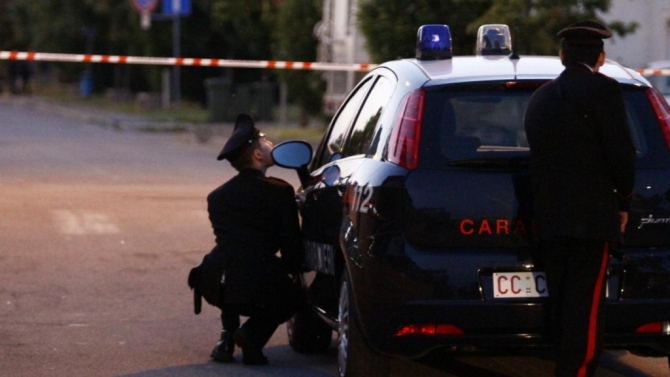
column 179, row 7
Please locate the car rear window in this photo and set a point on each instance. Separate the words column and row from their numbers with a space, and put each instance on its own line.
column 476, row 121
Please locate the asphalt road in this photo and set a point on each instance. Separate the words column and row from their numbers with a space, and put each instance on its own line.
column 98, row 229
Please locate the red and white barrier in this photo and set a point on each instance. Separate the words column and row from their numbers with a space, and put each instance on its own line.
column 198, row 62
column 194, row 62
column 653, row 72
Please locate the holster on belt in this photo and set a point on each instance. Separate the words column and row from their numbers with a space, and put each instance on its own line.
column 194, row 283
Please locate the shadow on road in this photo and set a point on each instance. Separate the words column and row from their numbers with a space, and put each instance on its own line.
column 530, row 364
column 286, row 363
column 283, row 363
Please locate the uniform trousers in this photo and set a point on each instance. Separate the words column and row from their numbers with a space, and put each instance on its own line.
column 262, row 322
column 576, row 281
column 263, row 318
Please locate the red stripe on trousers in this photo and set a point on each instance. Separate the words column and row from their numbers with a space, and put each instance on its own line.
column 593, row 321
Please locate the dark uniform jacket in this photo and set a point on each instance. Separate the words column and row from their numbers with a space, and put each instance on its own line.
column 582, row 158
column 253, row 217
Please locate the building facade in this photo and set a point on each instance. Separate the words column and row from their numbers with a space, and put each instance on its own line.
column 651, row 40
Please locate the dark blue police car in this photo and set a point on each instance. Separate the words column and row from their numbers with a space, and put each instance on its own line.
column 416, row 209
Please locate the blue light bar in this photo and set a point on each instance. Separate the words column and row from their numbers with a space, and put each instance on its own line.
column 433, row 42
column 494, row 39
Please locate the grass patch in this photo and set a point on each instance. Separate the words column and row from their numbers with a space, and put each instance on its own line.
column 278, row 134
column 188, row 113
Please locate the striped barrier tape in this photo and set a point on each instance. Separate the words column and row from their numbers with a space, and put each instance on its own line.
column 194, row 62
column 653, row 72
column 225, row 63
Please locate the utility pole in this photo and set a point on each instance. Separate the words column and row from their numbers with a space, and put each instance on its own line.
column 176, row 50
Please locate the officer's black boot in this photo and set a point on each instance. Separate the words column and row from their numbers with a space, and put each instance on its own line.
column 223, row 351
column 251, row 352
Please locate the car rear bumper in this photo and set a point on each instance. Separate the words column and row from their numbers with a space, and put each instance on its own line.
column 497, row 326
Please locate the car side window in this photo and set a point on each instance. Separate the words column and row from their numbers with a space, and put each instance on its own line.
column 364, row 130
column 345, row 117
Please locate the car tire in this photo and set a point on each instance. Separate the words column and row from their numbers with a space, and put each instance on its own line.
column 355, row 358
column 307, row 333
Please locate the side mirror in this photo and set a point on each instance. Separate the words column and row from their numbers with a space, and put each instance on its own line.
column 295, row 154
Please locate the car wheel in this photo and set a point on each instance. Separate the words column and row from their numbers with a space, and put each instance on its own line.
column 354, row 357
column 307, row 333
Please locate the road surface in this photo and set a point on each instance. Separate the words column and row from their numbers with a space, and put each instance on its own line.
column 98, row 230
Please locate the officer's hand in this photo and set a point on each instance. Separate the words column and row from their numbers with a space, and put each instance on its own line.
column 623, row 217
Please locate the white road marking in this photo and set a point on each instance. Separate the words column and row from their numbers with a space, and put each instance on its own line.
column 83, row 222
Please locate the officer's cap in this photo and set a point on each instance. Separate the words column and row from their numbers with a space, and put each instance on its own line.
column 585, row 33
column 243, row 135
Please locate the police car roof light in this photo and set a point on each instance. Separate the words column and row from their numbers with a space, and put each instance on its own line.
column 433, row 42
column 494, row 39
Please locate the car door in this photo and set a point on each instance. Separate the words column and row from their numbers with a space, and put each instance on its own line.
column 340, row 154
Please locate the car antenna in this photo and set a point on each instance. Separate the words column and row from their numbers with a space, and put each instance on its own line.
column 515, row 54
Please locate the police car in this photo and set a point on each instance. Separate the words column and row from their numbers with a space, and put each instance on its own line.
column 417, row 212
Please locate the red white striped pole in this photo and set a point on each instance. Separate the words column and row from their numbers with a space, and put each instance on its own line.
column 654, row 72
column 170, row 61
column 200, row 62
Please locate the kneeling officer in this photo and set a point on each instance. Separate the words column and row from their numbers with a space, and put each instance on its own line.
column 253, row 217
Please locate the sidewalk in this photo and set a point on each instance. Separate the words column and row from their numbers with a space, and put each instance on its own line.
column 118, row 120
column 202, row 133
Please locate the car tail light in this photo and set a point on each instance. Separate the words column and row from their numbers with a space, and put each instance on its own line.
column 654, row 328
column 662, row 111
column 428, row 329
column 403, row 148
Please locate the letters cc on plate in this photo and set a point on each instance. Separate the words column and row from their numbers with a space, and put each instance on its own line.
column 519, row 284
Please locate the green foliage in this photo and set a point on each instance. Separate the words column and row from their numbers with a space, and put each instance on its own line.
column 295, row 41
column 390, row 25
column 268, row 30
column 536, row 23
column 246, row 26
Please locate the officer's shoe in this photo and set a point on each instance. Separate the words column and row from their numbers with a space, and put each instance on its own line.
column 223, row 351
column 250, row 355
column 254, row 358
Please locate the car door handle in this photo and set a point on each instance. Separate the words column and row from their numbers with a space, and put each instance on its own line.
column 340, row 182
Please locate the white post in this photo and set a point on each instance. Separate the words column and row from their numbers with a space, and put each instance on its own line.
column 165, row 92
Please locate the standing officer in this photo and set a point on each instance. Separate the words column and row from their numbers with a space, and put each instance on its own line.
column 253, row 217
column 582, row 171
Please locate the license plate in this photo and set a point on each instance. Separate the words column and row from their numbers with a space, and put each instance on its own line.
column 519, row 284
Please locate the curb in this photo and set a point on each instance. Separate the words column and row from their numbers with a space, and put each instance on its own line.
column 119, row 121
column 123, row 122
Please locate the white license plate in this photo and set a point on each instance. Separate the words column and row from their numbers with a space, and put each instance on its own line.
column 519, row 284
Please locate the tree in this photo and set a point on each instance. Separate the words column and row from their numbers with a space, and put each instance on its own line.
column 112, row 27
column 294, row 40
column 77, row 26
column 536, row 23
column 247, row 26
column 390, row 26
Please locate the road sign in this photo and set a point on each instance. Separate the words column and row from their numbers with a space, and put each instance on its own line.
column 145, row 6
column 177, row 7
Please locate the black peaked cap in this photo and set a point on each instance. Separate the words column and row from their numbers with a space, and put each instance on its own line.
column 585, row 30
column 243, row 135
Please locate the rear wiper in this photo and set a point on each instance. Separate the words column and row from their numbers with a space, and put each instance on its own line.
column 492, row 163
